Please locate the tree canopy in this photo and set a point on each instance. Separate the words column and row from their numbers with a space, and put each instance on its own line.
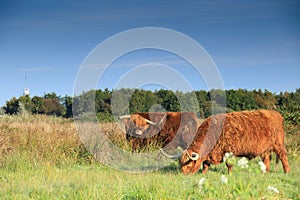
column 126, row 101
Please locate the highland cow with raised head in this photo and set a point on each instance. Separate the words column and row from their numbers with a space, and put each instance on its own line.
column 246, row 133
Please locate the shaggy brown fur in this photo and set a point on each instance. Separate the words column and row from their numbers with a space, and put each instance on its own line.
column 176, row 129
column 246, row 133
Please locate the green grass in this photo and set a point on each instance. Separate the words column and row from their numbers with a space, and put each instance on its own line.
column 22, row 178
column 47, row 162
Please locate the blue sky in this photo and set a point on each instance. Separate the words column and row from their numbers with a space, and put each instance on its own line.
column 254, row 45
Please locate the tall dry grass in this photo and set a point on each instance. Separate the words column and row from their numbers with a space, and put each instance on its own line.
column 292, row 139
column 51, row 140
column 47, row 139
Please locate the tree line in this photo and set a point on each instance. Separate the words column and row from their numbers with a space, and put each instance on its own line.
column 49, row 104
column 108, row 103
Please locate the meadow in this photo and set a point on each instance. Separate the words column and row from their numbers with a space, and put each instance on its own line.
column 41, row 157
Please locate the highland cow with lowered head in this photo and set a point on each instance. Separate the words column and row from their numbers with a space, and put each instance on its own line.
column 167, row 129
column 246, row 133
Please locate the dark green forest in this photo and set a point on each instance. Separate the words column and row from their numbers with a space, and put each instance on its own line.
column 109, row 103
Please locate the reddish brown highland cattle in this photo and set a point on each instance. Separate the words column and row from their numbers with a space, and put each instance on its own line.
column 166, row 129
column 246, row 133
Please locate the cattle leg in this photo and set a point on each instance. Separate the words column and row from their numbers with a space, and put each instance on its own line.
column 281, row 153
column 276, row 162
column 267, row 161
column 205, row 167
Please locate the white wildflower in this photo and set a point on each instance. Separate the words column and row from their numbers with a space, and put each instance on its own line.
column 263, row 167
column 201, row 182
column 224, row 179
column 243, row 162
column 273, row 189
column 227, row 156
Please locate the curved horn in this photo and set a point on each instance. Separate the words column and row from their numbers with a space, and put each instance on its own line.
column 153, row 123
column 124, row 116
column 128, row 116
column 194, row 155
column 177, row 156
column 162, row 119
column 150, row 122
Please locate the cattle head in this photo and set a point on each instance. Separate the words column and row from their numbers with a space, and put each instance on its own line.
column 189, row 162
column 138, row 125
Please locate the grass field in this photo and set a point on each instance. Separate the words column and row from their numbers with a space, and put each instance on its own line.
column 42, row 158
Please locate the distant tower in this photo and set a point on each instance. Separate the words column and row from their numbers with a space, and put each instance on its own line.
column 26, row 90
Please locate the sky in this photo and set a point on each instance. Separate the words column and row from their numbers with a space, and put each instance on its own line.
column 254, row 45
